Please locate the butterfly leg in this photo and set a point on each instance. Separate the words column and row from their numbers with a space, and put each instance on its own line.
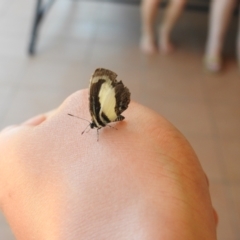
column 112, row 127
column 98, row 133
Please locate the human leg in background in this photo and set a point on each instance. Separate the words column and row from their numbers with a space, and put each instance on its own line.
column 220, row 13
column 172, row 14
column 238, row 38
column 149, row 10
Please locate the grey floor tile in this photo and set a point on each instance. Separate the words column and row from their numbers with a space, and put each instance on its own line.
column 207, row 152
column 56, row 75
column 113, row 55
column 223, row 88
column 227, row 119
column 11, row 70
column 189, row 117
column 235, row 193
column 5, row 231
column 230, row 151
column 13, row 46
column 29, row 102
column 226, row 214
column 6, row 97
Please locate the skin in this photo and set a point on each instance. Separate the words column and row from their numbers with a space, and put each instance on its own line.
column 142, row 181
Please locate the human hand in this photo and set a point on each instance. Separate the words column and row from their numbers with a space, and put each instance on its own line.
column 141, row 182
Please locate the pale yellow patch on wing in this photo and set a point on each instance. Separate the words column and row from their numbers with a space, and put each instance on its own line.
column 108, row 101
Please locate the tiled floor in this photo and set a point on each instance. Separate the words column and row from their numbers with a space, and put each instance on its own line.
column 77, row 37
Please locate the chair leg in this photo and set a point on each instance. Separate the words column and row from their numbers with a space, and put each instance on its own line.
column 40, row 11
column 37, row 20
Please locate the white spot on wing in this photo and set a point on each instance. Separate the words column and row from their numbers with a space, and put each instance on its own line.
column 108, row 101
column 104, row 77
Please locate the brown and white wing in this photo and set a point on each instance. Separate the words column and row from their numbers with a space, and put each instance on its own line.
column 122, row 95
column 102, row 83
column 108, row 98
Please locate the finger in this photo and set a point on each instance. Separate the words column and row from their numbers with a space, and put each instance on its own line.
column 34, row 121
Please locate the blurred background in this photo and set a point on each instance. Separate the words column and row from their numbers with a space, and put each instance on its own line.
column 78, row 36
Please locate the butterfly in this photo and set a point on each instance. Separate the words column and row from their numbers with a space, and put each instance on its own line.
column 108, row 98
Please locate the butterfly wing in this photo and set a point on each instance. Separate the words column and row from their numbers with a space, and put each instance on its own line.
column 94, row 104
column 122, row 95
column 100, row 82
column 108, row 98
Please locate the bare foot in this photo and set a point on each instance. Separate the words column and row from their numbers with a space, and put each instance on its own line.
column 165, row 45
column 147, row 45
column 213, row 64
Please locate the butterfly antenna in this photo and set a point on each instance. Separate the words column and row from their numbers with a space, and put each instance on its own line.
column 78, row 117
column 88, row 130
column 85, row 129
